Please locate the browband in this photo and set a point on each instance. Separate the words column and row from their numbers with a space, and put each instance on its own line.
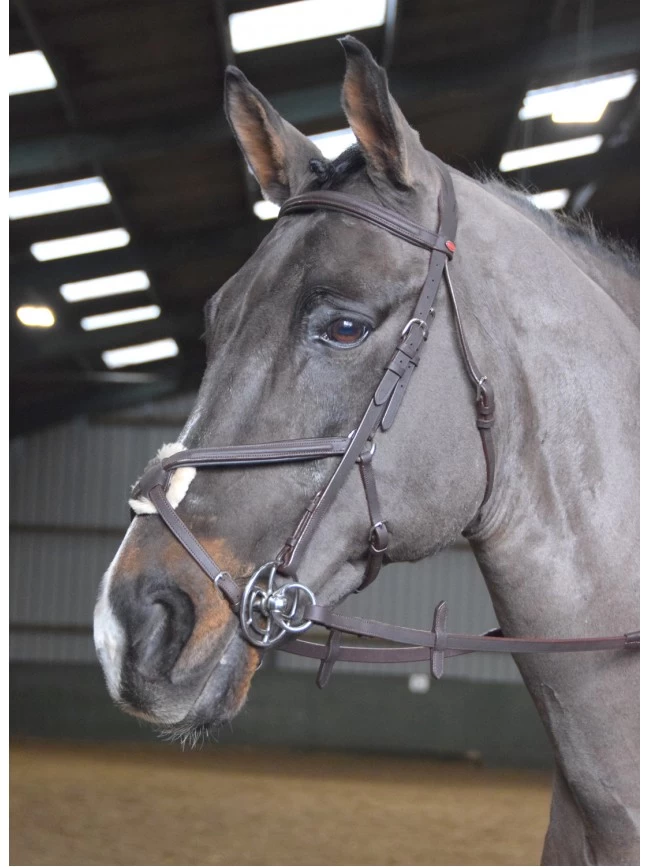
column 391, row 222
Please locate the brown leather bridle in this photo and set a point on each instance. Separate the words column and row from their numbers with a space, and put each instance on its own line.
column 273, row 611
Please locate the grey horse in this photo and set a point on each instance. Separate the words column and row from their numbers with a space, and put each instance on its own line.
column 297, row 341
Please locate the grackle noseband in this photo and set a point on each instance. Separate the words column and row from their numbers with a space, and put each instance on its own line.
column 274, row 607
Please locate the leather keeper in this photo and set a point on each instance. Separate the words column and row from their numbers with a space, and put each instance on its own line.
column 329, row 661
column 401, row 361
column 385, row 388
column 396, row 398
column 439, row 629
column 484, row 422
column 156, row 475
column 441, row 247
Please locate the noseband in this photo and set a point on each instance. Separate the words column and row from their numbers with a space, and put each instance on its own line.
column 274, row 607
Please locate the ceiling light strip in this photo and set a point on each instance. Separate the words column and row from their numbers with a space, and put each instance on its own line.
column 582, row 101
column 35, row 202
column 120, row 317
column 29, row 71
column 78, row 245
column 298, row 22
column 141, row 353
column 102, row 287
column 550, row 153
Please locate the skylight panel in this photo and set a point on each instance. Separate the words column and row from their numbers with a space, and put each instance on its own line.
column 550, row 200
column 120, row 317
column 298, row 22
column 333, row 143
column 77, row 245
column 550, row 153
column 35, row 316
column 101, row 287
column 29, row 71
column 140, row 353
column 581, row 101
column 58, row 197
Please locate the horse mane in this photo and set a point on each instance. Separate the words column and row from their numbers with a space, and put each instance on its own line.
column 331, row 174
column 579, row 232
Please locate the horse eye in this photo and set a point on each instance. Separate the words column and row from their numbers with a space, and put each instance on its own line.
column 346, row 332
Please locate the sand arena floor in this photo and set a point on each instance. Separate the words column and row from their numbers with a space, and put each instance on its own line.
column 156, row 805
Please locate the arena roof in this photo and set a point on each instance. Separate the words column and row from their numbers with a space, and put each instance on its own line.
column 130, row 100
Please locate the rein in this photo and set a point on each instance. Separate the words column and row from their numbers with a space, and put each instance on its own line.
column 272, row 612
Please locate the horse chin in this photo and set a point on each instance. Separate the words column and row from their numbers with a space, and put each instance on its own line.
column 227, row 686
column 218, row 699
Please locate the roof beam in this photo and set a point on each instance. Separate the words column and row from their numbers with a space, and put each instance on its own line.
column 48, row 276
column 29, row 276
column 576, row 172
column 51, row 346
column 60, row 224
column 47, row 378
column 308, row 108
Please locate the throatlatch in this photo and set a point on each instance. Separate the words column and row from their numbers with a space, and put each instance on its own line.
column 274, row 607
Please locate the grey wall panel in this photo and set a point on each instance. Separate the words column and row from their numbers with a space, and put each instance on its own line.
column 41, row 647
column 80, row 473
column 54, row 576
column 69, row 485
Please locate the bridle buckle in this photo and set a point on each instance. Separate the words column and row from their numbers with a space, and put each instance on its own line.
column 423, row 325
column 376, row 531
column 479, row 388
column 221, row 574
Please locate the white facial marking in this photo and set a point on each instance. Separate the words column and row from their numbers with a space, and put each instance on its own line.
column 110, row 644
column 179, row 485
column 110, row 639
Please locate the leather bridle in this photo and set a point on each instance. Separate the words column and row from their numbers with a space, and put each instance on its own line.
column 274, row 606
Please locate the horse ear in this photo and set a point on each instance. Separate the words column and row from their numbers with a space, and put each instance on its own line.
column 389, row 144
column 276, row 152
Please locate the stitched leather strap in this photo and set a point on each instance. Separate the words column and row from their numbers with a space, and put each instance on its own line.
column 419, row 644
column 390, row 221
column 378, row 538
column 405, row 357
column 457, row 641
column 455, row 644
column 484, row 400
column 188, row 540
column 155, row 481
column 282, row 451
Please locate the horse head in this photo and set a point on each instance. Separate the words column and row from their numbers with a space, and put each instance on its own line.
column 296, row 343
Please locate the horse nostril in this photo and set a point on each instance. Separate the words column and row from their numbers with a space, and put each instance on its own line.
column 166, row 624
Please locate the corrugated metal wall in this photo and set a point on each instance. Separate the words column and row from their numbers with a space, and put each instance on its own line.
column 69, row 513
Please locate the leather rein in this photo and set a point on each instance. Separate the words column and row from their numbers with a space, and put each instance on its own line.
column 274, row 607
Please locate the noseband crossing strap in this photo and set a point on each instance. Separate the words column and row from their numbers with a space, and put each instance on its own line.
column 274, row 607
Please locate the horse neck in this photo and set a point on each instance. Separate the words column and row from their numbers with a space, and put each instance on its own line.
column 559, row 543
column 563, row 359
